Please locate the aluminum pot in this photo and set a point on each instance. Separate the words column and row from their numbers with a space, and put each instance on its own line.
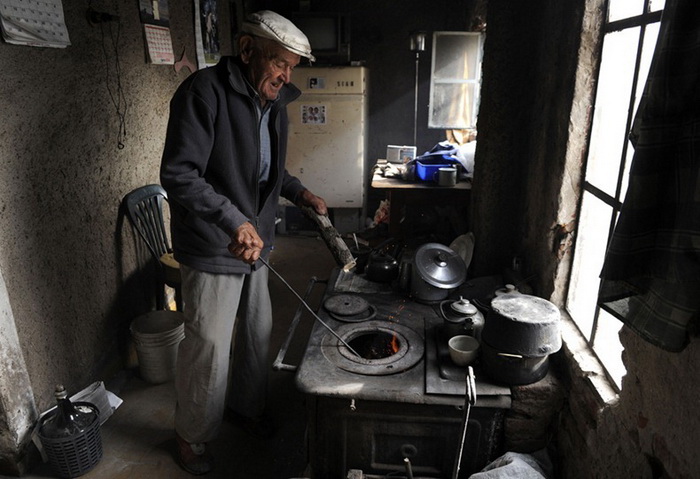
column 523, row 324
column 436, row 270
column 520, row 333
column 513, row 369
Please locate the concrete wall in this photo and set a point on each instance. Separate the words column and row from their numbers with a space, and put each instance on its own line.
column 528, row 83
column 537, row 77
column 73, row 280
column 72, row 276
column 17, row 408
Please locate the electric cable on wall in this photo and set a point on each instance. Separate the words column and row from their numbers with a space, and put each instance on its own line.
column 116, row 93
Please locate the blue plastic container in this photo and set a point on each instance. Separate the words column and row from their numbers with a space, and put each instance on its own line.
column 428, row 167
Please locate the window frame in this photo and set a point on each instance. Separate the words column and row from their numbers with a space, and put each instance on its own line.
column 642, row 21
column 474, row 81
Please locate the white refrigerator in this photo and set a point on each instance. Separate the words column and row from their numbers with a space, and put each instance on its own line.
column 328, row 139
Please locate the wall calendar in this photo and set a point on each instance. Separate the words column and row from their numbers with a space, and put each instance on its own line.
column 38, row 23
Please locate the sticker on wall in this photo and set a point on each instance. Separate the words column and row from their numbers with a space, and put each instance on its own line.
column 313, row 114
column 317, row 83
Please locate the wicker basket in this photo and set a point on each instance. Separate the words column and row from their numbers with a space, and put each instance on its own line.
column 73, row 456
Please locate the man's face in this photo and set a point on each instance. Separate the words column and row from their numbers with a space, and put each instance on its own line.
column 270, row 66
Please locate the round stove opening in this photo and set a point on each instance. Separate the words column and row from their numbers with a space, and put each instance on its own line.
column 375, row 344
column 383, row 348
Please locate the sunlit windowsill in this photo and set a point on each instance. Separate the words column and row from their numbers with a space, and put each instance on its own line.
column 584, row 364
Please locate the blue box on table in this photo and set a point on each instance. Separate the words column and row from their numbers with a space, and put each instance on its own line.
column 427, row 167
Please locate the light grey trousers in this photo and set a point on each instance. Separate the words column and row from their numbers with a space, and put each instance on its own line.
column 212, row 305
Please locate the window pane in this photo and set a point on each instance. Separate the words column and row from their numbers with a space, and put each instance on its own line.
column 608, row 347
column 620, row 9
column 609, row 130
column 456, row 56
column 617, row 99
column 650, row 36
column 454, row 80
column 591, row 243
column 453, row 105
column 656, row 5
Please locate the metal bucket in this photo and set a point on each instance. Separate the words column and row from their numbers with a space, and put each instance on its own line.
column 157, row 336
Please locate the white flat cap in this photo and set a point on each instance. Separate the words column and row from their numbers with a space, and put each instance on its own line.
column 268, row 24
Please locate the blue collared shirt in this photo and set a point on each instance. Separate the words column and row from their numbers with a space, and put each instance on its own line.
column 265, row 145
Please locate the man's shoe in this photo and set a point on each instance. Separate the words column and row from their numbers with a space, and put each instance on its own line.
column 260, row 427
column 193, row 457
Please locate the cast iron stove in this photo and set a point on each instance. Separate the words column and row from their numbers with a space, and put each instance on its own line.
column 402, row 398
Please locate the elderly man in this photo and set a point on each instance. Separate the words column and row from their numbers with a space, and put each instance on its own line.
column 223, row 167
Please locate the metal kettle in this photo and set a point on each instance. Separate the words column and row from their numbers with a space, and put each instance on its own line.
column 462, row 317
column 381, row 267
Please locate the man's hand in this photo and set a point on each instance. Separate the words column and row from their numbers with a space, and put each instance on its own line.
column 306, row 198
column 245, row 244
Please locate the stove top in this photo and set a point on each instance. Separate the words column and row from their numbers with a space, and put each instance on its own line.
column 418, row 369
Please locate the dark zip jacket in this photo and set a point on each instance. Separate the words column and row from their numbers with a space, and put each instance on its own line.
column 211, row 162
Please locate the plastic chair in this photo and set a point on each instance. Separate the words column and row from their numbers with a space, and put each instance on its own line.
column 144, row 208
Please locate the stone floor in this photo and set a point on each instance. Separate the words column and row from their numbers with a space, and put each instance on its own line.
column 138, row 438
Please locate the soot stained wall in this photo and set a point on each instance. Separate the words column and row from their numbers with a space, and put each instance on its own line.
column 532, row 130
column 74, row 277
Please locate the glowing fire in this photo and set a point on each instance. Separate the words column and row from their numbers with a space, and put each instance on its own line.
column 394, row 344
column 374, row 345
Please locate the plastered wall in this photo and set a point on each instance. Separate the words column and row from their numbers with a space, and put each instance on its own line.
column 534, row 114
column 72, row 276
column 68, row 263
column 74, row 279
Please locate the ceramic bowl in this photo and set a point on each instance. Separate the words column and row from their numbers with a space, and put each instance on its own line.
column 463, row 349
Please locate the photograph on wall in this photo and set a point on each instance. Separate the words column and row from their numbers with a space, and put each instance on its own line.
column 313, row 114
column 207, row 33
column 155, row 12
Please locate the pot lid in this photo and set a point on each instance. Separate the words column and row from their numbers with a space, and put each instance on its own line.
column 463, row 306
column 440, row 266
column 346, row 305
column 525, row 308
column 523, row 324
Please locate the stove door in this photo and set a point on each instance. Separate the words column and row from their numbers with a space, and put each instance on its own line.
column 377, row 436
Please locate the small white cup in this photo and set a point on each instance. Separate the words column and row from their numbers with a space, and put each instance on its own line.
column 463, row 349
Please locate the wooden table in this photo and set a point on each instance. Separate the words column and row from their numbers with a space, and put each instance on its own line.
column 405, row 193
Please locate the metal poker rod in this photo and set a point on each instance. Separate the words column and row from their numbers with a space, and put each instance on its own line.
column 309, row 308
column 469, row 401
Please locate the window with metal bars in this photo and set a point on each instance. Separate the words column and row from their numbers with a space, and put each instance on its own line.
column 630, row 34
